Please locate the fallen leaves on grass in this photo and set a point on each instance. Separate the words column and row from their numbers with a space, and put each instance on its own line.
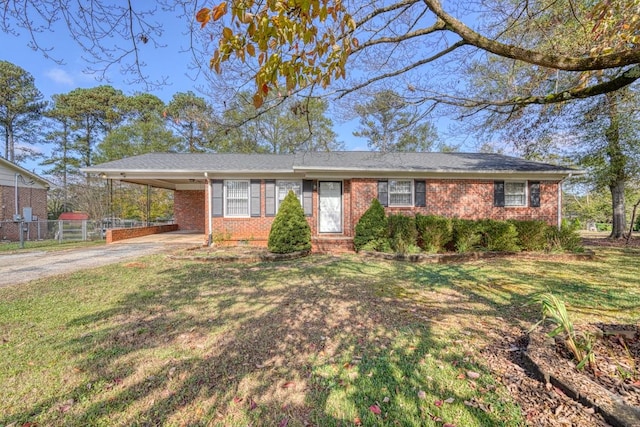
column 375, row 409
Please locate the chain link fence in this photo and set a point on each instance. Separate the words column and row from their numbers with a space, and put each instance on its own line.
column 63, row 230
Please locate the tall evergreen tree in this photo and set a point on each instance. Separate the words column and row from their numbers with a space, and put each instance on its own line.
column 279, row 126
column 389, row 123
column 21, row 106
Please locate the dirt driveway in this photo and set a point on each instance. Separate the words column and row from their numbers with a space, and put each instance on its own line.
column 32, row 265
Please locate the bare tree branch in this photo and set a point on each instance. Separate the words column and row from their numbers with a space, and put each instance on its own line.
column 558, row 62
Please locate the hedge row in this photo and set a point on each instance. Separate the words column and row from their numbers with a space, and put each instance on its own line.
column 431, row 233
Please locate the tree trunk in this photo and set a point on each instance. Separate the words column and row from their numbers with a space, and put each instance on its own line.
column 619, row 211
column 617, row 172
column 10, row 144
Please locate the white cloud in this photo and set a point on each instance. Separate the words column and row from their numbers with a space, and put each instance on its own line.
column 60, row 76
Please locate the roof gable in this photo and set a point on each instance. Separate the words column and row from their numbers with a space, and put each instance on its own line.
column 8, row 171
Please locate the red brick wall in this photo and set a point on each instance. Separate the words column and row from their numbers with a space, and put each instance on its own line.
column 36, row 198
column 254, row 230
column 189, row 209
column 470, row 199
column 117, row 234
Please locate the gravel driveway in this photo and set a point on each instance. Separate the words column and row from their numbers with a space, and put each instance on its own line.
column 32, row 265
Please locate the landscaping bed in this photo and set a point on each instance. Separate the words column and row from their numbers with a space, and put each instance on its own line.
column 610, row 387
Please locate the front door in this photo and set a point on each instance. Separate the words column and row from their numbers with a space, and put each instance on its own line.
column 330, row 207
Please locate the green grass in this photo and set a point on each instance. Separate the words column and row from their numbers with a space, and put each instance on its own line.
column 317, row 341
column 46, row 245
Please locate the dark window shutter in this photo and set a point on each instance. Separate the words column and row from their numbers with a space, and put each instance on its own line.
column 420, row 189
column 217, row 195
column 534, row 194
column 498, row 193
column 307, row 197
column 255, row 197
column 270, row 197
column 383, row 193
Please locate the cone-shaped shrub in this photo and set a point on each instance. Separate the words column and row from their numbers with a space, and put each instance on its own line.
column 371, row 229
column 290, row 231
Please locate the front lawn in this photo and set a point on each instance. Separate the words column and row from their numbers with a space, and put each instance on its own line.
column 317, row 341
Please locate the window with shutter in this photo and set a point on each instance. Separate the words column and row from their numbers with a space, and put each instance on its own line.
column 270, row 198
column 534, row 194
column 236, row 198
column 255, row 197
column 217, row 194
column 383, row 193
column 498, row 193
column 420, row 199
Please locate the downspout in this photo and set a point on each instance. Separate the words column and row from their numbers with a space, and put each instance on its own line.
column 560, row 200
column 17, row 213
column 209, row 210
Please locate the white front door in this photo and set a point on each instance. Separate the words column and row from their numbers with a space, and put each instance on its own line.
column 330, row 207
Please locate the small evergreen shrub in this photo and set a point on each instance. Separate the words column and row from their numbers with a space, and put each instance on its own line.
column 467, row 235
column 290, row 231
column 371, row 230
column 434, row 232
column 498, row 236
column 532, row 234
column 566, row 238
column 402, row 233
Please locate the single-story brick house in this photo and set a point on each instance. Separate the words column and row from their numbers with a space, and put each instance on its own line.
column 236, row 196
column 23, row 196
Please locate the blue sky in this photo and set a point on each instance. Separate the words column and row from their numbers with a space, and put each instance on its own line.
column 51, row 77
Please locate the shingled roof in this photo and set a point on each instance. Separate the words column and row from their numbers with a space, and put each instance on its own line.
column 171, row 170
column 325, row 161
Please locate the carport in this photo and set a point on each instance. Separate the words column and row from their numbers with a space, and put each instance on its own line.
column 188, row 187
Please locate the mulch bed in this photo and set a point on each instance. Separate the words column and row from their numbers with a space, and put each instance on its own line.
column 617, row 363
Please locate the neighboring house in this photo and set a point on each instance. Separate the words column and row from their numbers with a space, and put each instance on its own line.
column 236, row 196
column 30, row 204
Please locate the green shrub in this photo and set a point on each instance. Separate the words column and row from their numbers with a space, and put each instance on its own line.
column 434, row 232
column 566, row 238
column 290, row 231
column 532, row 234
column 467, row 235
column 371, row 230
column 402, row 233
column 498, row 236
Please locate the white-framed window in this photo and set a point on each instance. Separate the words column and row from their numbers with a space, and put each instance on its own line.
column 400, row 192
column 236, row 198
column 515, row 193
column 283, row 187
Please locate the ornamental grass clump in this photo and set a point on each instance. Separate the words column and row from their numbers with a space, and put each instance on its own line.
column 579, row 344
column 290, row 231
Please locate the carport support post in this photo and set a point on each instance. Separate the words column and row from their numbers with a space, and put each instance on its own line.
column 148, row 205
